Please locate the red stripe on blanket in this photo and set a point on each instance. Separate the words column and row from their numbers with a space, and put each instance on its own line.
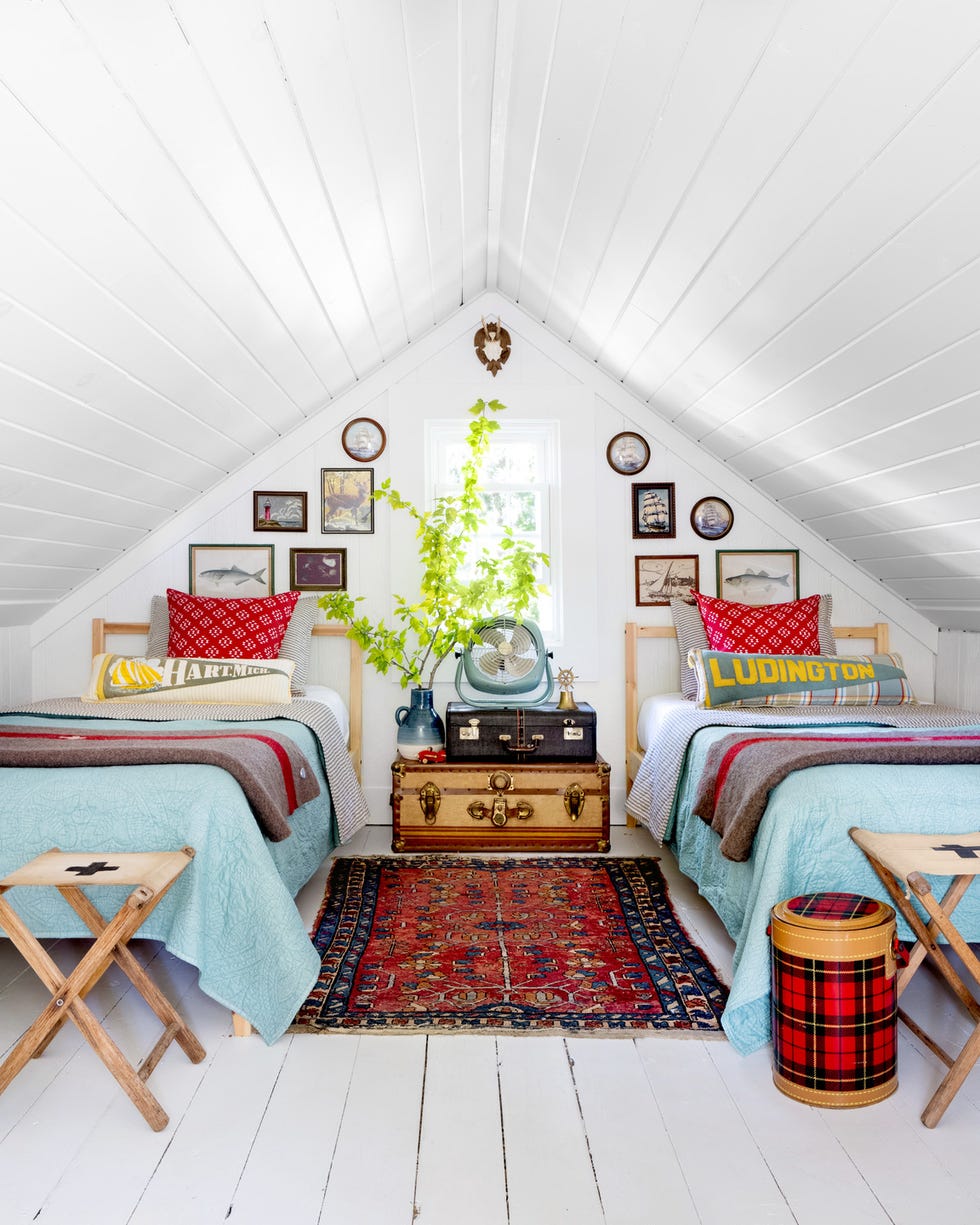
column 280, row 753
column 729, row 758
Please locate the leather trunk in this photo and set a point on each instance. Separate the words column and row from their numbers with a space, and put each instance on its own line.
column 519, row 734
column 488, row 807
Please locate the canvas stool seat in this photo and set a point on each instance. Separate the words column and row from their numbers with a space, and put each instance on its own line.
column 149, row 875
column 902, row 862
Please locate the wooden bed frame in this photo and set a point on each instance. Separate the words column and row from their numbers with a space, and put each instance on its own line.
column 102, row 630
column 877, row 633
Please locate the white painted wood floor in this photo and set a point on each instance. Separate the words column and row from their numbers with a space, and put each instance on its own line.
column 459, row 1130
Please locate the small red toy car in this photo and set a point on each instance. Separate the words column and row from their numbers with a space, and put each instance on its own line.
column 429, row 757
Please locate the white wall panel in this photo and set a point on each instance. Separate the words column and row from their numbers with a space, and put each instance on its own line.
column 958, row 670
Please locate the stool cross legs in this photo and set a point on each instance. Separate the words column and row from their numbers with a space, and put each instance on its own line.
column 150, row 875
column 902, row 862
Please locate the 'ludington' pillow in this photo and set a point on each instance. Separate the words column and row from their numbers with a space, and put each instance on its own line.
column 740, row 679
column 248, row 681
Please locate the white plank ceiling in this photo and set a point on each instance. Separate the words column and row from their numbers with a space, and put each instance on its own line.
column 762, row 216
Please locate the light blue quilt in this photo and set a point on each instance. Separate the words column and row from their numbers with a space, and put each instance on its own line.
column 231, row 913
column 802, row 846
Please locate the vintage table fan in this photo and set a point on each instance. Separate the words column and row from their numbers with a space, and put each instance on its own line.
column 505, row 666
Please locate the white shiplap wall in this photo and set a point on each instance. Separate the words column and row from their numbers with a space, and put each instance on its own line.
column 958, row 669
column 444, row 382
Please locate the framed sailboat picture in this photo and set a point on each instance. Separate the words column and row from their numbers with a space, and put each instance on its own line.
column 653, row 512
column 661, row 578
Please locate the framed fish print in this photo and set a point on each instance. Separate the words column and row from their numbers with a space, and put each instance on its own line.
column 659, row 579
column 348, row 500
column 231, row 570
column 712, row 518
column 758, row 576
column 317, row 569
column 273, row 511
column 653, row 512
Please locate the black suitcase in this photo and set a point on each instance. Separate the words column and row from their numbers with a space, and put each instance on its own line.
column 519, row 733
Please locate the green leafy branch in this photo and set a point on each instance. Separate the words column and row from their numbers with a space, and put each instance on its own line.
column 449, row 607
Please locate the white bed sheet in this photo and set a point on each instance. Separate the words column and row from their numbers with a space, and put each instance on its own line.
column 334, row 702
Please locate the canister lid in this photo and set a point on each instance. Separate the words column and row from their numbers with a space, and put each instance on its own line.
column 841, row 910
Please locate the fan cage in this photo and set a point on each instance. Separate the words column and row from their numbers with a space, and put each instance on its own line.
column 507, row 661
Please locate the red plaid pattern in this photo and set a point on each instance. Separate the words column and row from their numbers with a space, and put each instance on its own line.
column 831, row 906
column 772, row 629
column 206, row 627
column 833, row 1022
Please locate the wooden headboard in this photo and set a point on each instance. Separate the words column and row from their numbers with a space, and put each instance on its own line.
column 102, row 629
column 877, row 633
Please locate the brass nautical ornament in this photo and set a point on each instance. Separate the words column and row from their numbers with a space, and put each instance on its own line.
column 566, row 679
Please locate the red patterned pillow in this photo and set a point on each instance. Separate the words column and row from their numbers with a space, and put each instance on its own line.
column 771, row 629
column 209, row 627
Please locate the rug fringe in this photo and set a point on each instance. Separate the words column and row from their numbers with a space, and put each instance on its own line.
column 658, row 1032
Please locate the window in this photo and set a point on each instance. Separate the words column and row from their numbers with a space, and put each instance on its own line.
column 519, row 483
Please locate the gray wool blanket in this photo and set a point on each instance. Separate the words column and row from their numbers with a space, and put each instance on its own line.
column 271, row 770
column 741, row 770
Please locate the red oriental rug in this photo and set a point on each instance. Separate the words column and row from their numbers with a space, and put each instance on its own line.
column 439, row 943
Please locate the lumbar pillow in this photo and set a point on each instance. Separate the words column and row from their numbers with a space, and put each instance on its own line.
column 213, row 627
column 147, row 679
column 740, row 679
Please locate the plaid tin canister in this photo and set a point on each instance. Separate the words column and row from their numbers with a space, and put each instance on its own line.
column 834, row 1002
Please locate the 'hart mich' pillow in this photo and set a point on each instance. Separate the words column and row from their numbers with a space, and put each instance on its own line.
column 247, row 681
column 740, row 679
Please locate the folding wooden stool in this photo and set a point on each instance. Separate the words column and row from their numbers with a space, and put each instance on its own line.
column 152, row 873
column 902, row 862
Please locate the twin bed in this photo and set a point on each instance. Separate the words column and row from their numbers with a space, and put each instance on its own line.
column 802, row 844
column 232, row 913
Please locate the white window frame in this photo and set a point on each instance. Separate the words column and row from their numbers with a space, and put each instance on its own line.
column 406, row 409
column 546, row 434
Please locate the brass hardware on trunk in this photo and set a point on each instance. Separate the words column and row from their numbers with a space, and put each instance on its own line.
column 497, row 811
column 430, row 798
column 574, row 800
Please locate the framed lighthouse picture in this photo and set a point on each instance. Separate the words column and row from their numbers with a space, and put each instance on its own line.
column 653, row 512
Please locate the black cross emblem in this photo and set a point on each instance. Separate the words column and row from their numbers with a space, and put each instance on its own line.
column 964, row 852
column 97, row 865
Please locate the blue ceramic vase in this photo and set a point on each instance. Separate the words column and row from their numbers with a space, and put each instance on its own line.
column 419, row 726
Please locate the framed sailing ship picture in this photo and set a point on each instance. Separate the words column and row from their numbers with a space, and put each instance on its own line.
column 659, row 579
column 712, row 518
column 653, row 512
